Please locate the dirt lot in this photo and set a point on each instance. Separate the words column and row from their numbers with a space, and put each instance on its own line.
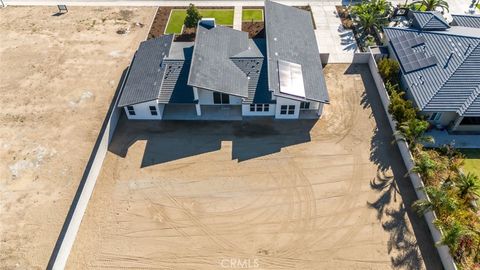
column 58, row 76
column 263, row 194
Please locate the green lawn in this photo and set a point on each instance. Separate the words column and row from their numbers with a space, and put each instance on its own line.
column 472, row 161
column 175, row 22
column 419, row 7
column 252, row 14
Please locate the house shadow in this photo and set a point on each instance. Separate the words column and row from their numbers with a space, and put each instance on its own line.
column 173, row 140
column 408, row 246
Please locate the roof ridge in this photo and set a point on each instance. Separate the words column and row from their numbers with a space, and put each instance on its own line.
column 450, row 76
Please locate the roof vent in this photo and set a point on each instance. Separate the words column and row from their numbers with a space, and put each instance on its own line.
column 468, row 48
column 449, row 58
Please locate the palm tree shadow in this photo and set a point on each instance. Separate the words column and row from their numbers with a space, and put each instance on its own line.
column 410, row 247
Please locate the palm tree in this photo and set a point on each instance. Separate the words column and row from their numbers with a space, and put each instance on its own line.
column 371, row 15
column 426, row 166
column 413, row 131
column 454, row 160
column 431, row 5
column 468, row 186
column 440, row 201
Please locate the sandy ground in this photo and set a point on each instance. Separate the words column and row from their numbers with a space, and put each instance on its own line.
column 259, row 194
column 58, row 76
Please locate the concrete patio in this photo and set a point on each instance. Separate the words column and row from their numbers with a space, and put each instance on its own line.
column 442, row 137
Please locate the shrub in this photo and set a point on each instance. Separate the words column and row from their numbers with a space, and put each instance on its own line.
column 389, row 69
column 193, row 16
column 401, row 109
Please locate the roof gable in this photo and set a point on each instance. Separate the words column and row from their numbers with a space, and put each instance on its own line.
column 212, row 67
column 146, row 71
column 429, row 20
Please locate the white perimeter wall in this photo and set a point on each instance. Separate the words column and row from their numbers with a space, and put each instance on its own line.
column 142, row 111
column 205, row 97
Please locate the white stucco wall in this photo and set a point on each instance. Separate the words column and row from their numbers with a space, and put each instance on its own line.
column 446, row 118
column 205, row 97
column 284, row 101
column 246, row 111
column 142, row 111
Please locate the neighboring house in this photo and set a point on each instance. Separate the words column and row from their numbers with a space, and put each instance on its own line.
column 440, row 68
column 224, row 75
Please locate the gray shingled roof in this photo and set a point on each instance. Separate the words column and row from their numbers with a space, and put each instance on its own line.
column 258, row 85
column 174, row 86
column 452, row 84
column 429, row 20
column 212, row 67
column 472, row 21
column 146, row 73
column 290, row 37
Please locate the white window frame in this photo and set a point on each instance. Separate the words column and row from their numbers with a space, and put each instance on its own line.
column 131, row 110
column 224, row 98
column 287, row 109
column 153, row 110
column 305, row 105
column 291, row 109
column 435, row 116
column 262, row 107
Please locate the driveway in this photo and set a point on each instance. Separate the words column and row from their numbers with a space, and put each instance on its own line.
column 265, row 194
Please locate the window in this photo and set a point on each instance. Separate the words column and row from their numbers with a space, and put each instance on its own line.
column 291, row 109
column 153, row 110
column 435, row 116
column 220, row 98
column 131, row 110
column 259, row 107
column 287, row 109
column 304, row 105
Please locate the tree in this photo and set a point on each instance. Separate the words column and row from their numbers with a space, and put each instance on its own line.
column 401, row 109
column 426, row 166
column 431, row 5
column 468, row 186
column 371, row 16
column 413, row 131
column 389, row 69
column 193, row 16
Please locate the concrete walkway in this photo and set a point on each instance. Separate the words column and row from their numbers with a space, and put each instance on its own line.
column 459, row 141
column 339, row 44
column 237, row 18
